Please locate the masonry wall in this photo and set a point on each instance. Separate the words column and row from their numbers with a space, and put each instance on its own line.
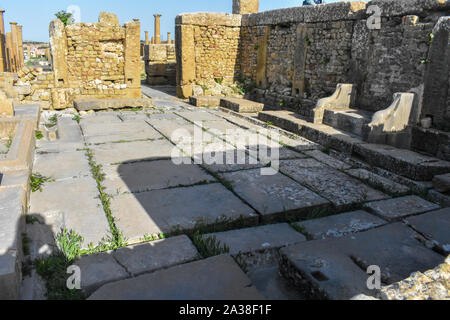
column 160, row 64
column 293, row 57
column 90, row 60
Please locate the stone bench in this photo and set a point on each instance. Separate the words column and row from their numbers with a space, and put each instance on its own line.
column 241, row 105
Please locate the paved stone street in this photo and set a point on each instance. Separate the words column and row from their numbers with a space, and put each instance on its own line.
column 309, row 230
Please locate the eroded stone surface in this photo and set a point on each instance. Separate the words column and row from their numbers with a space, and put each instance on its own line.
column 375, row 180
column 273, row 195
column 340, row 225
column 331, row 184
column 256, row 239
column 398, row 208
column 435, row 226
column 62, row 165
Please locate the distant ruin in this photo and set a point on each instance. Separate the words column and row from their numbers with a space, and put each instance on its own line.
column 11, row 47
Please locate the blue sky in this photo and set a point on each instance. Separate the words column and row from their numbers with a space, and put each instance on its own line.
column 36, row 15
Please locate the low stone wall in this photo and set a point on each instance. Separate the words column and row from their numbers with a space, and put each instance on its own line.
column 160, row 64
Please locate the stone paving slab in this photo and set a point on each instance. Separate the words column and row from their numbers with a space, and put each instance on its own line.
column 330, row 161
column 329, row 267
column 258, row 238
column 204, row 101
column 60, row 166
column 275, row 195
column 57, row 146
column 194, row 116
column 229, row 160
column 329, row 183
column 383, row 183
column 101, row 117
column 399, row 208
column 72, row 204
column 132, row 116
column 166, row 210
column 340, row 225
column 152, row 175
column 114, row 153
column 69, row 130
column 156, row 255
column 442, row 183
column 99, row 269
column 435, row 226
column 180, row 131
column 217, row 278
column 221, row 128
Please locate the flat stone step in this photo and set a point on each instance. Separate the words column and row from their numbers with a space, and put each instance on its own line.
column 442, row 183
column 256, row 239
column 399, row 208
column 100, row 269
column 350, row 120
column 336, row 269
column 205, row 101
column 435, row 227
column 339, row 225
column 403, row 162
column 241, row 105
column 217, row 278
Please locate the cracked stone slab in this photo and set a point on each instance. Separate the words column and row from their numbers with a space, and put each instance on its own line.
column 340, row 225
column 399, row 208
column 69, row 130
column 180, row 131
column 62, row 165
column 99, row 269
column 387, row 185
column 156, row 255
column 72, row 204
column 96, row 133
column 273, row 195
column 435, row 226
column 337, row 187
column 152, row 175
column 195, row 116
column 258, row 238
column 43, row 147
column 179, row 208
column 113, row 153
column 328, row 160
column 227, row 159
column 336, row 268
column 217, row 278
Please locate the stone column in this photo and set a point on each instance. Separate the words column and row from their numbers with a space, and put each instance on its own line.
column 157, row 28
column 15, row 47
column 20, row 47
column 8, row 52
column 2, row 43
column 147, row 41
column 133, row 59
column 245, row 6
column 168, row 37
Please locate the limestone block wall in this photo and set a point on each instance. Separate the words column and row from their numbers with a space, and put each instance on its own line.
column 208, row 51
column 160, row 64
column 90, row 60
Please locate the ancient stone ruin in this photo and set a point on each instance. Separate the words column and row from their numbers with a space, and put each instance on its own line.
column 288, row 59
column 11, row 46
column 293, row 154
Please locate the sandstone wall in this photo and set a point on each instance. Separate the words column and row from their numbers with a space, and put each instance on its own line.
column 160, row 64
column 208, row 51
column 90, row 60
